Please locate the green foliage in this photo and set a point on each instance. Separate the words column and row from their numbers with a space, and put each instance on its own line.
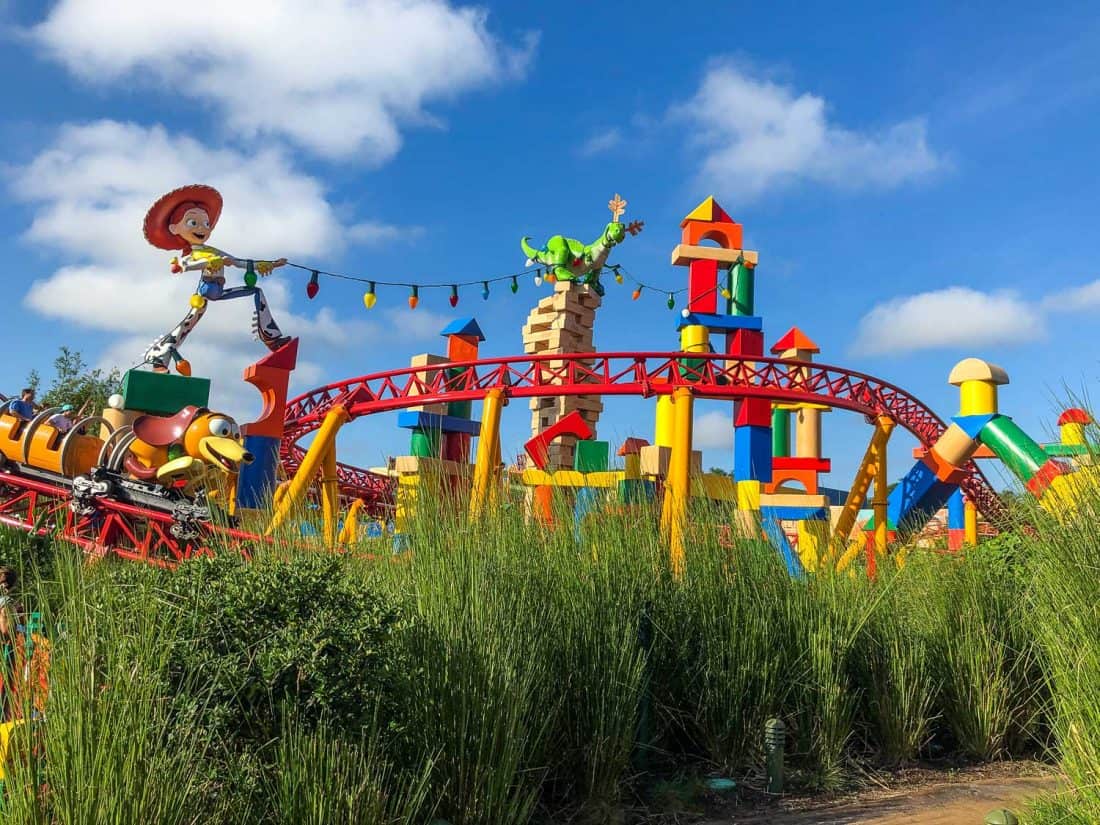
column 307, row 633
column 77, row 384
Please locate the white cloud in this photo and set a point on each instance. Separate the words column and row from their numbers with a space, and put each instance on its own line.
column 373, row 233
column 952, row 317
column 90, row 190
column 339, row 77
column 1074, row 299
column 601, row 142
column 713, row 431
column 758, row 135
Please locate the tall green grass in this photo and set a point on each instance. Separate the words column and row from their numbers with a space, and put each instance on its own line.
column 508, row 673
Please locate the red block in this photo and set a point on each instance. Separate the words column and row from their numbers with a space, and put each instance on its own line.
column 752, row 412
column 745, row 342
column 726, row 234
column 818, row 465
column 539, row 446
column 1039, row 482
column 703, row 287
column 271, row 376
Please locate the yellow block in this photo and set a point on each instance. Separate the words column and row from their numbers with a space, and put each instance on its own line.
column 748, row 495
column 632, row 466
column 1073, row 433
column 695, row 338
column 714, row 487
column 663, row 427
column 791, row 500
column 683, row 254
column 813, row 542
column 977, row 398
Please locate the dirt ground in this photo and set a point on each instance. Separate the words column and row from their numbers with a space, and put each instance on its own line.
column 918, row 797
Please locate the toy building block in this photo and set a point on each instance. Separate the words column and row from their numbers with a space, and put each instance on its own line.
column 714, row 487
column 632, row 446
column 745, row 342
column 813, row 542
column 463, row 337
column 721, row 323
column 424, row 443
column 591, row 456
column 795, row 345
column 748, row 495
column 412, row 420
column 703, row 287
column 160, row 393
column 538, row 447
column 752, row 412
column 655, row 461
column 977, row 381
column 802, row 501
column 427, row 360
column 271, row 376
column 707, row 212
column 983, row 451
column 636, row 491
column 752, row 453
column 684, row 254
column 421, row 465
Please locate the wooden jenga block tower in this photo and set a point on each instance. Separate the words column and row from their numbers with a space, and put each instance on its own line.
column 562, row 322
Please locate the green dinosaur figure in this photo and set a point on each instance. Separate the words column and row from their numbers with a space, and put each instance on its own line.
column 570, row 260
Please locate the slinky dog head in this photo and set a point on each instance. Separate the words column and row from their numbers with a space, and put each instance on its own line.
column 212, row 437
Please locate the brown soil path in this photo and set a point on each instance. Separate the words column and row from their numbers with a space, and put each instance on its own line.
column 964, row 800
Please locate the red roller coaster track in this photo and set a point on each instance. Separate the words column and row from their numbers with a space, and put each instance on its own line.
column 640, row 374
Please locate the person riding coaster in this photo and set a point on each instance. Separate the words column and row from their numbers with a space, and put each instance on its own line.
column 184, row 220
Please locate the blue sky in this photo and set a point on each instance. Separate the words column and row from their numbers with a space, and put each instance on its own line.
column 921, row 187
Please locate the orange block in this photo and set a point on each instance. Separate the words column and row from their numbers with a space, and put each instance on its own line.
column 543, row 500
column 271, row 376
column 945, row 471
column 726, row 235
column 462, row 347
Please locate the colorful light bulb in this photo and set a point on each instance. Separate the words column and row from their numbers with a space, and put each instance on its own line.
column 637, row 293
column 454, row 296
column 312, row 287
column 414, row 297
column 515, row 285
column 369, row 298
column 485, row 290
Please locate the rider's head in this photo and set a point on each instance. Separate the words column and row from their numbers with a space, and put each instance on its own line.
column 190, row 222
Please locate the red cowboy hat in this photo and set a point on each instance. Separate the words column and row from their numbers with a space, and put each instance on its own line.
column 160, row 214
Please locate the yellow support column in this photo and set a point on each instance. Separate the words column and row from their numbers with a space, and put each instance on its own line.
column 488, row 450
column 665, row 423
column 857, row 493
column 878, row 504
column 678, row 485
column 330, row 497
column 288, row 502
column 970, row 522
column 349, row 533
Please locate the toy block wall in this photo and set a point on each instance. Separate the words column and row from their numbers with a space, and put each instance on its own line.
column 562, row 322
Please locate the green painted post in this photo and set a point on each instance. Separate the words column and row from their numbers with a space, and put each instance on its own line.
column 781, row 433
column 775, row 735
column 743, row 290
column 1019, row 452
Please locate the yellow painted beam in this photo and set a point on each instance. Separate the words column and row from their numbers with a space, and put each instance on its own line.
column 878, row 504
column 349, row 533
column 488, row 452
column 678, row 485
column 857, row 493
column 330, row 496
column 970, row 522
column 288, row 502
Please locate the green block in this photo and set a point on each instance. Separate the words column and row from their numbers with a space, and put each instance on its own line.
column 591, row 456
column 424, row 443
column 161, row 393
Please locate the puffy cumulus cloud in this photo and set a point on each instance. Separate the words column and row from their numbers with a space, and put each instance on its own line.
column 339, row 77
column 713, row 431
column 952, row 317
column 1074, row 299
column 757, row 134
column 89, row 192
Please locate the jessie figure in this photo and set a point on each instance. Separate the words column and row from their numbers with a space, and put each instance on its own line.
column 183, row 220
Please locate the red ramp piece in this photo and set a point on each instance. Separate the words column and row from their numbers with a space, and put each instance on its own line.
column 539, row 446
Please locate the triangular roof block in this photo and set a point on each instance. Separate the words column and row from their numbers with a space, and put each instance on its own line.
column 464, row 326
column 795, row 339
column 632, row 446
column 284, row 358
column 708, row 211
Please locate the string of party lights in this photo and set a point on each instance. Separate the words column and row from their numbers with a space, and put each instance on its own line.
column 538, row 274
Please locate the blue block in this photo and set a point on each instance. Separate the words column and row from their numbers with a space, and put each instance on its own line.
column 916, row 498
column 774, row 531
column 752, row 453
column 464, row 326
column 972, row 424
column 413, row 420
column 720, row 323
column 956, row 518
column 257, row 481
column 636, row 490
column 785, row 513
column 586, row 500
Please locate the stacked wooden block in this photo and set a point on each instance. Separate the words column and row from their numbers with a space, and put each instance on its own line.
column 562, row 322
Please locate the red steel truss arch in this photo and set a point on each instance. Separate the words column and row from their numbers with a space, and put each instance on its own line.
column 642, row 374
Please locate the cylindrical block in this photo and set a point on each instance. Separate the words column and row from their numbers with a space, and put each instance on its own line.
column 743, row 290
column 955, row 446
column 424, row 443
column 662, row 432
column 970, row 522
column 807, row 433
column 1014, row 447
column 678, row 484
column 781, row 432
column 117, row 418
column 1073, row 434
column 977, row 398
